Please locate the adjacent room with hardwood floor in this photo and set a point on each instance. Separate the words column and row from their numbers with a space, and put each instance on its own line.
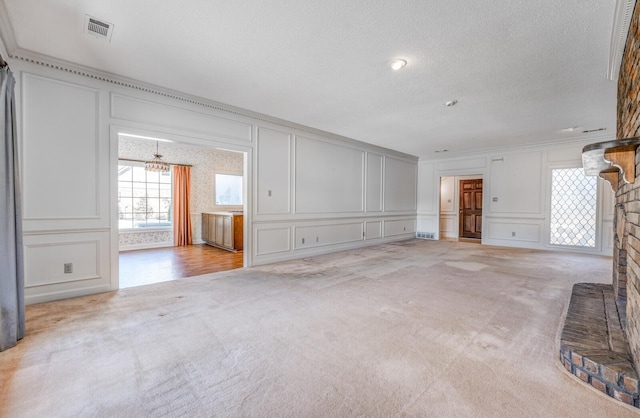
column 140, row 267
column 148, row 250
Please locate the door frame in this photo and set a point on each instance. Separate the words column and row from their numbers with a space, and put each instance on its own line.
column 178, row 139
column 456, row 203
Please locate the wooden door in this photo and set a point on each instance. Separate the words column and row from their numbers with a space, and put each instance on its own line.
column 470, row 208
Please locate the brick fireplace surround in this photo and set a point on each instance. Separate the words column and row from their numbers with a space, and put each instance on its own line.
column 626, row 256
column 600, row 342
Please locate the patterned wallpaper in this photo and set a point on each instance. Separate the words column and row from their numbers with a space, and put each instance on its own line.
column 138, row 240
column 205, row 162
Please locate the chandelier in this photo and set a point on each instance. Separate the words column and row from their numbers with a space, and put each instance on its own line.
column 157, row 164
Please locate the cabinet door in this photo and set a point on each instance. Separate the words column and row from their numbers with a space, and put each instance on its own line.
column 205, row 226
column 228, row 231
column 219, row 239
column 212, row 229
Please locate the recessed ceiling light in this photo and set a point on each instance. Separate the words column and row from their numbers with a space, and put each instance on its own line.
column 571, row 129
column 442, row 150
column 451, row 103
column 397, row 64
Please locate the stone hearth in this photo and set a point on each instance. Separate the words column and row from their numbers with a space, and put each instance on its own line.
column 593, row 345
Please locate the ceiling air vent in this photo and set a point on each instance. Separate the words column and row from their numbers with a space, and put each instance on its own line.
column 98, row 28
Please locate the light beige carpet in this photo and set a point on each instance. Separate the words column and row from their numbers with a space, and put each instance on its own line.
column 417, row 328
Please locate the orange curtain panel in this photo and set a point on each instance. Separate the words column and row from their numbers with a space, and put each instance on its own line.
column 181, row 210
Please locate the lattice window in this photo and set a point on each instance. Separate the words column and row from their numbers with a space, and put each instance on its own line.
column 573, row 208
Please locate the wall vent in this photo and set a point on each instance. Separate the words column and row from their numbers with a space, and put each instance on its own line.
column 425, row 235
column 98, row 28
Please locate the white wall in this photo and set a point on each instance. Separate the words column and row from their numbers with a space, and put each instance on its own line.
column 314, row 194
column 517, row 185
column 302, row 184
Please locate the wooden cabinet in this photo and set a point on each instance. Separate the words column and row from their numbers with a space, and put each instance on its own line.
column 219, row 236
column 223, row 229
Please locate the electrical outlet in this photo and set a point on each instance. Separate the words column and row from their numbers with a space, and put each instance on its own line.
column 303, row 240
column 269, row 193
column 495, row 199
column 68, row 268
column 513, row 234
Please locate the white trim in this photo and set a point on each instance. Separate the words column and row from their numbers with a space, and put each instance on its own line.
column 142, row 230
column 146, row 246
column 7, row 38
column 619, row 32
column 546, row 234
column 95, row 74
column 517, row 148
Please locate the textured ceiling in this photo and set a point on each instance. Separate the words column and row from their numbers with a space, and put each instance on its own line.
column 520, row 70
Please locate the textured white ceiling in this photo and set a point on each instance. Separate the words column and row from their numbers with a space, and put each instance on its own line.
column 521, row 70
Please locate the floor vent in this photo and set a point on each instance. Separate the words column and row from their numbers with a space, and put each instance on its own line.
column 98, row 28
column 425, row 235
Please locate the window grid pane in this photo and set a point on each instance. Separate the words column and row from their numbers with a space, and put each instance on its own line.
column 573, row 208
column 144, row 198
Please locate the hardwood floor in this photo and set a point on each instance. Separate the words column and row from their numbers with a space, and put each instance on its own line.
column 172, row 263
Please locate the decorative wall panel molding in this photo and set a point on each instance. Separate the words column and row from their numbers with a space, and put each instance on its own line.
column 273, row 172
column 329, row 178
column 46, row 256
column 399, row 227
column 50, row 108
column 374, row 178
column 158, row 114
column 400, row 185
column 529, row 232
column 271, row 240
column 323, row 235
column 373, row 230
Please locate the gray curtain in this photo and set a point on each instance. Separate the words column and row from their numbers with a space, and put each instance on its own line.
column 12, row 322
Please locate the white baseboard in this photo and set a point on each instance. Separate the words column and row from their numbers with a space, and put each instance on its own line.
column 145, row 246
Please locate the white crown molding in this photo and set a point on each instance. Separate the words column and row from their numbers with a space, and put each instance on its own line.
column 7, row 38
column 510, row 148
column 84, row 71
column 619, row 31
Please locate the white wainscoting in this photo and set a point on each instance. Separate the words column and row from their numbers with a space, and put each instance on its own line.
column 513, row 231
column 272, row 240
column 399, row 227
column 45, row 256
column 323, row 235
column 448, row 226
column 373, row 230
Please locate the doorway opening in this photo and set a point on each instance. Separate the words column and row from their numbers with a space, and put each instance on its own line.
column 147, row 251
column 461, row 202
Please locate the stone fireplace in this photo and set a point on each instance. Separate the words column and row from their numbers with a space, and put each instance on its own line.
column 626, row 257
column 600, row 343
